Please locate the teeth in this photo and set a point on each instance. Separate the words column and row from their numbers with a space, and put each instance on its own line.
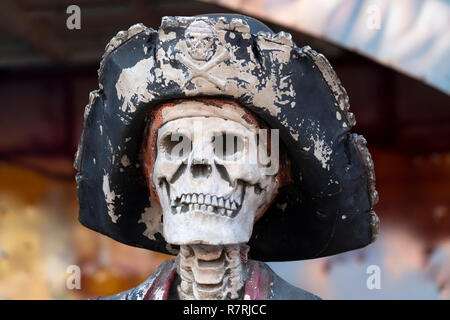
column 238, row 193
column 208, row 203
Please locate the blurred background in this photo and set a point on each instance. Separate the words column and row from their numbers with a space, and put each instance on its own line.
column 393, row 58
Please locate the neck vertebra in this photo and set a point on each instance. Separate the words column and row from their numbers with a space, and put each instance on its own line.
column 211, row 272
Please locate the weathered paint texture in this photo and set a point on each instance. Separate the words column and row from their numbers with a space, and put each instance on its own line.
column 292, row 89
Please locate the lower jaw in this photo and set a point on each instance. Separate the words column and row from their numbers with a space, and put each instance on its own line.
column 199, row 228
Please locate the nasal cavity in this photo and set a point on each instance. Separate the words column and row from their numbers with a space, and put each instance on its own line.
column 200, row 170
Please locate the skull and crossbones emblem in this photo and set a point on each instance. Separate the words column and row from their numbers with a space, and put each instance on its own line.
column 201, row 43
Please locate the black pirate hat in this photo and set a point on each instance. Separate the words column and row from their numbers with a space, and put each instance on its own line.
column 329, row 207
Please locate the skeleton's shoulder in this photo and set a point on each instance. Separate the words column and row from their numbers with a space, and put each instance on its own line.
column 146, row 288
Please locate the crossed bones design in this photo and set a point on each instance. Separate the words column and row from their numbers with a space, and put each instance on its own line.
column 202, row 71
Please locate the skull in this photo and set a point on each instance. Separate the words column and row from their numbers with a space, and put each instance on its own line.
column 200, row 40
column 209, row 185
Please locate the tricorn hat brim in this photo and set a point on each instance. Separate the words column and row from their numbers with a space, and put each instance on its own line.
column 295, row 90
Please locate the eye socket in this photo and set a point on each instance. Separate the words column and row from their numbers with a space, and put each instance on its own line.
column 175, row 145
column 227, row 145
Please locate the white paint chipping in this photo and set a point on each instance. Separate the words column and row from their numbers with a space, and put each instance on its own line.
column 133, row 83
column 151, row 217
column 142, row 289
column 159, row 293
column 125, row 161
column 109, row 198
column 322, row 152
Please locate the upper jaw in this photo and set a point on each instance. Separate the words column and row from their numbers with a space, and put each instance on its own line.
column 227, row 205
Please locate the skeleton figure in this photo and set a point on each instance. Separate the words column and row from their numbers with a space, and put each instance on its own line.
column 211, row 190
column 217, row 141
